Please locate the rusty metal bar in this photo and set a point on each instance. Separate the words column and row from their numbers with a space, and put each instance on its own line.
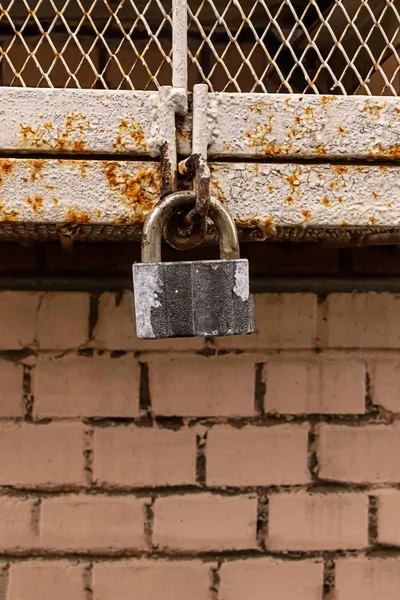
column 109, row 199
column 309, row 127
column 238, row 126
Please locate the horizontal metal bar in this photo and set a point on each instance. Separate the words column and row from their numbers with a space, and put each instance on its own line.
column 322, row 196
column 49, row 197
column 296, row 126
column 73, row 193
column 253, row 126
column 80, row 122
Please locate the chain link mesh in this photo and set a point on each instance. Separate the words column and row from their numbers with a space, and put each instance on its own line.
column 291, row 46
column 296, row 46
column 113, row 44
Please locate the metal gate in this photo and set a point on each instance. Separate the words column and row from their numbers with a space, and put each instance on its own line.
column 300, row 120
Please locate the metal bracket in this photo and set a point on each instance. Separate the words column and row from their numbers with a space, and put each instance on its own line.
column 173, row 100
column 188, row 231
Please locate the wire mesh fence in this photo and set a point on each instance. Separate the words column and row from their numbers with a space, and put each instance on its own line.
column 290, row 46
column 303, row 46
column 86, row 43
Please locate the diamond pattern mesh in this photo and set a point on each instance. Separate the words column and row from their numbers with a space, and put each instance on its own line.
column 296, row 46
column 291, row 46
column 86, row 43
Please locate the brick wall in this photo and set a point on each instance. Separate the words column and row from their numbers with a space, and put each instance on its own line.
column 225, row 469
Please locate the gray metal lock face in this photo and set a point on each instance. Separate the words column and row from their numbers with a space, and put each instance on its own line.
column 191, row 298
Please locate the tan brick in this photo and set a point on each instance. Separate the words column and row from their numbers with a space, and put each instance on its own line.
column 204, row 522
column 367, row 578
column 386, row 384
column 282, row 321
column 115, row 328
column 284, row 580
column 151, row 580
column 41, row 455
column 315, row 386
column 63, row 320
column 36, row 580
column 136, row 456
column 202, row 386
column 95, row 523
column 302, row 521
column 15, row 523
column 257, row 455
column 359, row 454
column 388, row 503
column 80, row 386
column 11, row 391
column 362, row 320
column 18, row 319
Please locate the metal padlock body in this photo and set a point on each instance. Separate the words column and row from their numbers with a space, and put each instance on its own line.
column 191, row 298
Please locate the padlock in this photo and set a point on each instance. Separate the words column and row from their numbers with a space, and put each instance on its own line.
column 191, row 298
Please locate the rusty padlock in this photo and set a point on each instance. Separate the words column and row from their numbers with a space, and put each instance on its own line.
column 191, row 298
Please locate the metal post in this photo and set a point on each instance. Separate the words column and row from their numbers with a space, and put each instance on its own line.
column 200, row 119
column 168, row 152
column 179, row 48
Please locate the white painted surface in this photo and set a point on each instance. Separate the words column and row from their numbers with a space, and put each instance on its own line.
column 262, row 197
column 293, row 126
column 266, row 126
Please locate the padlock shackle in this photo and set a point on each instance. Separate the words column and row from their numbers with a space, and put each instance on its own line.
column 165, row 208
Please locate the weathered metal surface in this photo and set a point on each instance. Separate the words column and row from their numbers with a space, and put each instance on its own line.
column 167, row 208
column 268, row 196
column 179, row 45
column 196, row 166
column 273, row 126
column 79, row 121
column 39, row 198
column 77, row 192
column 188, row 299
column 283, row 126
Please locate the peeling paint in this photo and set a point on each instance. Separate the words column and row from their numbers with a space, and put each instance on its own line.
column 134, row 191
column 326, row 202
column 77, row 216
column 129, row 131
column 306, row 126
column 263, row 201
column 37, row 167
column 241, row 287
column 149, row 281
column 241, row 125
column 79, row 121
column 36, row 202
